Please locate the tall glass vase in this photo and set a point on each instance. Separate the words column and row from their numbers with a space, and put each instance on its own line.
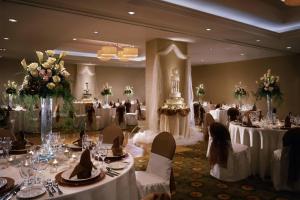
column 106, row 100
column 269, row 108
column 10, row 101
column 46, row 124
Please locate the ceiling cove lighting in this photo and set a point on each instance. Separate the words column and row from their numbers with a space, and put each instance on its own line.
column 212, row 8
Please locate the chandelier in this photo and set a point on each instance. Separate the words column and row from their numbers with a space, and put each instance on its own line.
column 109, row 52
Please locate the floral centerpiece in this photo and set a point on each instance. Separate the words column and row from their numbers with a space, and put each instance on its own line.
column 106, row 91
column 240, row 92
column 11, row 91
column 128, row 91
column 46, row 78
column 11, row 87
column 269, row 88
column 200, row 91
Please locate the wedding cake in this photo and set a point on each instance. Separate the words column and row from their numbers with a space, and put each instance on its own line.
column 175, row 100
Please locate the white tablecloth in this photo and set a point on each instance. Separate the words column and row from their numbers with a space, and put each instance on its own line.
column 262, row 143
column 219, row 115
column 122, row 187
column 175, row 124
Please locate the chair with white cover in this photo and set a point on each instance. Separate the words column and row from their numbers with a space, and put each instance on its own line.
column 131, row 119
column 229, row 162
column 158, row 177
column 111, row 132
column 208, row 120
column 286, row 162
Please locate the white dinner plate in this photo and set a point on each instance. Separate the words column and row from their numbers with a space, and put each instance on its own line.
column 66, row 175
column 3, row 182
column 31, row 192
column 117, row 165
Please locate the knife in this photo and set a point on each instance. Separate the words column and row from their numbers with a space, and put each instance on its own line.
column 11, row 193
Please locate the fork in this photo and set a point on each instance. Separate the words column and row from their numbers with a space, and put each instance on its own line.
column 55, row 184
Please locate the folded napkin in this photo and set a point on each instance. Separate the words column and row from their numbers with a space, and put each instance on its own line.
column 20, row 142
column 117, row 148
column 287, row 122
column 84, row 168
column 79, row 141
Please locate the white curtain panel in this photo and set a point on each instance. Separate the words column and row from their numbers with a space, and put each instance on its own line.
column 156, row 89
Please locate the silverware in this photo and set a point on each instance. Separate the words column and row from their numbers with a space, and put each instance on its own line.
column 110, row 174
column 11, row 193
column 48, row 190
column 55, row 184
column 112, row 171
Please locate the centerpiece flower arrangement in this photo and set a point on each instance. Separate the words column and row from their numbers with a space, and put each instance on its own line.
column 11, row 91
column 128, row 91
column 46, row 78
column 269, row 88
column 200, row 91
column 240, row 92
column 106, row 91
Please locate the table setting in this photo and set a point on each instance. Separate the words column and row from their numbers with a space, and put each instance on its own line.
column 99, row 169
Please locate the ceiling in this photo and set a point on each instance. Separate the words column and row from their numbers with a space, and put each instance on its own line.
column 53, row 24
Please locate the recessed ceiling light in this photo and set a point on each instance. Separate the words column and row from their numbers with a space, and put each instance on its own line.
column 283, row 0
column 2, row 49
column 74, row 39
column 12, row 20
column 257, row 40
column 5, row 38
column 131, row 13
column 96, row 32
column 242, row 54
column 208, row 29
column 288, row 47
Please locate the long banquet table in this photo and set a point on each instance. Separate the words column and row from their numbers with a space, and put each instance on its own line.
column 122, row 187
column 262, row 143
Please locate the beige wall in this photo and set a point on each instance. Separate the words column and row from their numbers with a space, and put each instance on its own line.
column 219, row 80
column 117, row 77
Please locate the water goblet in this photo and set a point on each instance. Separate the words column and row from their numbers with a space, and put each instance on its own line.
column 102, row 153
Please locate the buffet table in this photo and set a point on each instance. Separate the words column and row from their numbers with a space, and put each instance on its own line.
column 122, row 187
column 175, row 122
column 262, row 141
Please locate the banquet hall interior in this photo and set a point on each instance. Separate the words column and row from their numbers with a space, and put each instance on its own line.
column 150, row 99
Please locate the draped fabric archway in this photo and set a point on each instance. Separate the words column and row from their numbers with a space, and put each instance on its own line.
column 156, row 89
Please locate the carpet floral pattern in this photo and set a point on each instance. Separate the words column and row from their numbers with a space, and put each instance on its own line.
column 191, row 171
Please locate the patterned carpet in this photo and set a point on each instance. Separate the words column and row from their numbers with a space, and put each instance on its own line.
column 191, row 171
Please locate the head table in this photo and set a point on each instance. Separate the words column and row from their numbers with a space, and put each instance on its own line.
column 122, row 187
column 262, row 141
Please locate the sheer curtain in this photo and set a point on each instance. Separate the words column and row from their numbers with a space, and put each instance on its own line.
column 156, row 90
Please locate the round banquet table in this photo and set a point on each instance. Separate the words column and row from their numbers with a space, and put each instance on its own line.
column 261, row 141
column 220, row 115
column 122, row 187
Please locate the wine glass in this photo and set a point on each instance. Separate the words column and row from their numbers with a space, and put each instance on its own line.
column 6, row 142
column 26, row 171
column 39, row 164
column 100, row 139
column 102, row 152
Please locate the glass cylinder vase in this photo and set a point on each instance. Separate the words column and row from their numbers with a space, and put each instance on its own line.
column 10, row 101
column 269, row 108
column 106, row 100
column 46, row 120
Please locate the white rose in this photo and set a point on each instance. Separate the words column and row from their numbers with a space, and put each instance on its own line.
column 61, row 64
column 56, row 79
column 34, row 73
column 46, row 65
column 51, row 85
column 50, row 53
column 40, row 56
column 57, row 66
column 51, row 60
column 33, row 66
column 65, row 73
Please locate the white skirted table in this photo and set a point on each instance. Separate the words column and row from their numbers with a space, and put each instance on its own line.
column 219, row 115
column 175, row 122
column 122, row 187
column 262, row 143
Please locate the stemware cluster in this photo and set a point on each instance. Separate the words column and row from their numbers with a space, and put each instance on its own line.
column 5, row 147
